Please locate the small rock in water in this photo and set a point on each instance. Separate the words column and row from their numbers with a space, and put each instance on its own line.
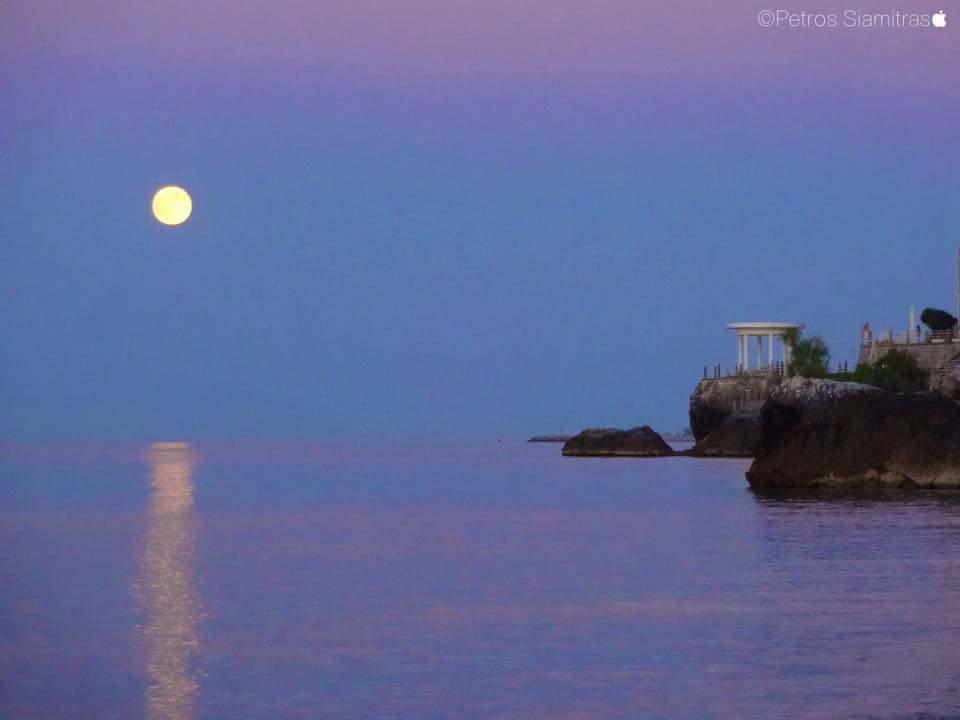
column 637, row 442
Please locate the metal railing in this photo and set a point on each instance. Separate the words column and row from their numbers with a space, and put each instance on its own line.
column 717, row 372
column 924, row 337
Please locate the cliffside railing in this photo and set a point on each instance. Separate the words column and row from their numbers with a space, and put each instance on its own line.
column 913, row 337
column 717, row 372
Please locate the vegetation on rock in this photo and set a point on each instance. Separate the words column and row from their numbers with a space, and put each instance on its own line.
column 937, row 320
column 897, row 371
column 809, row 357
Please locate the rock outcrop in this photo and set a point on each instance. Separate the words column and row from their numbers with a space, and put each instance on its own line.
column 947, row 383
column 737, row 436
column 820, row 434
column 730, row 408
column 636, row 442
column 549, row 438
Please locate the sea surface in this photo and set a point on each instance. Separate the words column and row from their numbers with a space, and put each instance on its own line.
column 492, row 580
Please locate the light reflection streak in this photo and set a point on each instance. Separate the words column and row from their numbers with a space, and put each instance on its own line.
column 170, row 602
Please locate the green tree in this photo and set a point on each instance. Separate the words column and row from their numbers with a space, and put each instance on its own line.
column 897, row 371
column 809, row 357
column 937, row 320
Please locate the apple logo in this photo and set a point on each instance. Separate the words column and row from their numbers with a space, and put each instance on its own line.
column 939, row 19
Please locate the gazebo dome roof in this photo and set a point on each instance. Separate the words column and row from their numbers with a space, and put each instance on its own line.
column 765, row 327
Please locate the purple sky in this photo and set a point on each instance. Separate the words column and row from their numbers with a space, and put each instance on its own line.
column 557, row 40
column 425, row 217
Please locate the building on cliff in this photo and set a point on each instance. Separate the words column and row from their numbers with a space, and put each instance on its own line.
column 937, row 352
column 767, row 335
column 725, row 410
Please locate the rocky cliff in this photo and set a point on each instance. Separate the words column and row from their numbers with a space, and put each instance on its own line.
column 820, row 434
column 947, row 382
column 725, row 413
column 737, row 436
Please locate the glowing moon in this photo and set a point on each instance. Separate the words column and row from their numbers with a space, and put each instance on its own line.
column 172, row 205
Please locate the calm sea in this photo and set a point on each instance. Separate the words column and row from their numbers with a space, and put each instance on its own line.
column 497, row 581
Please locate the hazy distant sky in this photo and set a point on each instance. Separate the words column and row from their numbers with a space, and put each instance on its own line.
column 436, row 217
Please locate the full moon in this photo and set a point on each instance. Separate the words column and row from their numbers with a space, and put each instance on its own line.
column 172, row 205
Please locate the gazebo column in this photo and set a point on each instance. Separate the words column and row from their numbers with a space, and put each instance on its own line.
column 766, row 333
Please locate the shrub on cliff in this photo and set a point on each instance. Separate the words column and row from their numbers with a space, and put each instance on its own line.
column 897, row 371
column 809, row 357
column 937, row 320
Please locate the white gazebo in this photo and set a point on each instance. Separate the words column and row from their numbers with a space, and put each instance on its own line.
column 760, row 330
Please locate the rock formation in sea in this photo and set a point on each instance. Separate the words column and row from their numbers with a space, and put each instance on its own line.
column 725, row 414
column 637, row 442
column 737, row 436
column 549, row 438
column 821, row 434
